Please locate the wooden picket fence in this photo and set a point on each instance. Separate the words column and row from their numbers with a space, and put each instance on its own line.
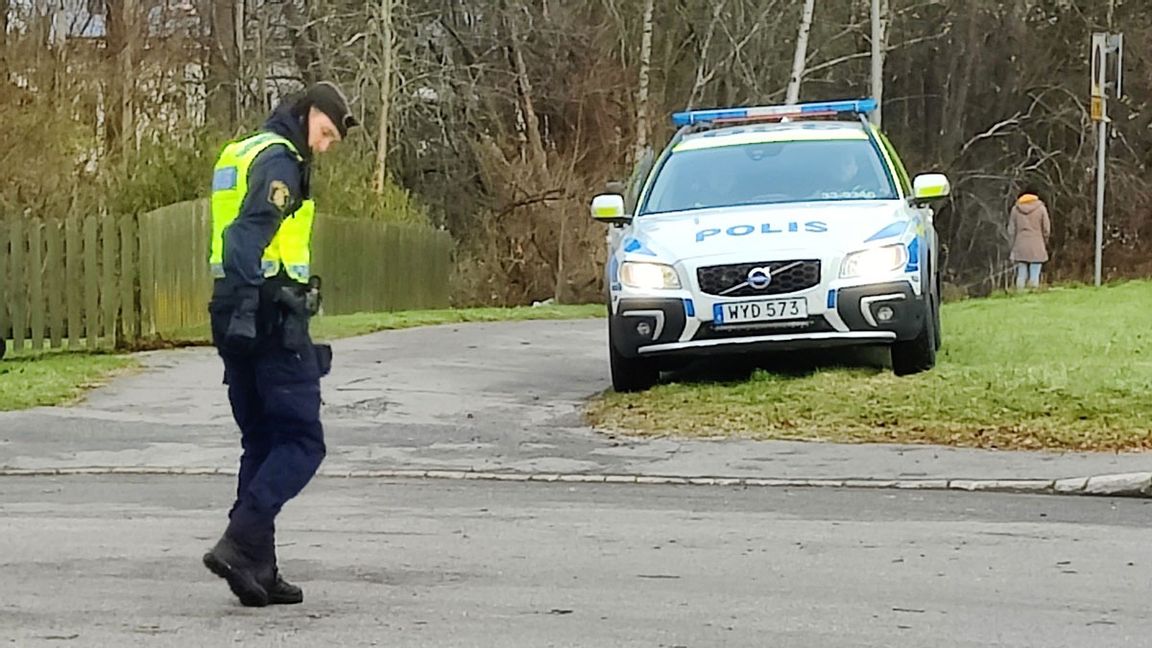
column 68, row 282
column 175, row 278
column 113, row 281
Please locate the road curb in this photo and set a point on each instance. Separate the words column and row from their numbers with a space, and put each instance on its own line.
column 1110, row 485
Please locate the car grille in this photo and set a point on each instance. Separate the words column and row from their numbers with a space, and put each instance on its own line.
column 787, row 277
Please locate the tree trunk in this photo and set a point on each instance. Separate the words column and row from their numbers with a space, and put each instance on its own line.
column 128, row 76
column 58, row 48
column 304, row 49
column 702, row 75
column 642, row 126
column 536, row 155
column 801, row 55
column 966, row 61
column 223, row 65
column 880, row 17
column 261, row 59
column 241, row 72
column 385, row 96
column 535, row 151
column 5, row 7
column 561, row 274
column 116, row 40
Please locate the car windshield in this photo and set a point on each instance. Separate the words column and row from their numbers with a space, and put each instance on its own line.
column 704, row 177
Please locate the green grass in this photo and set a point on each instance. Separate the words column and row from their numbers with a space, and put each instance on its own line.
column 1069, row 369
column 57, row 377
column 331, row 327
column 340, row 326
column 54, row 378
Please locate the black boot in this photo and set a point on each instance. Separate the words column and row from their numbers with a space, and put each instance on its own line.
column 280, row 591
column 228, row 561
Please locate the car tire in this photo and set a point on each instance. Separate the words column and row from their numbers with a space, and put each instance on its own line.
column 918, row 354
column 631, row 374
column 936, row 331
column 935, row 294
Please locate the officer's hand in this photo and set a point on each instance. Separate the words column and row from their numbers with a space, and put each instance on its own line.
column 241, row 335
column 312, row 301
column 313, row 296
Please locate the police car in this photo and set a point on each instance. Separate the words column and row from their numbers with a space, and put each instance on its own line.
column 771, row 228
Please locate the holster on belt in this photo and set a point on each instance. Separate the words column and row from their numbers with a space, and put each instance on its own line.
column 297, row 304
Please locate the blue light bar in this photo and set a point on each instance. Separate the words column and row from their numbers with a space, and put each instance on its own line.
column 758, row 113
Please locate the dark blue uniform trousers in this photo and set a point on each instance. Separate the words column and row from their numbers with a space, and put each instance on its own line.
column 275, row 396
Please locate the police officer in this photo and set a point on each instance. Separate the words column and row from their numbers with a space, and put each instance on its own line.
column 262, row 300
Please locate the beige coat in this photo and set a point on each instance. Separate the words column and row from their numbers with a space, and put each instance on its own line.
column 1029, row 229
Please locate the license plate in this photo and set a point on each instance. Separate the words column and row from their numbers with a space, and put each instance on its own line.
column 766, row 310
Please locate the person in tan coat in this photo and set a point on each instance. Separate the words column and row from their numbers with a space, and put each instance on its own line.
column 1029, row 229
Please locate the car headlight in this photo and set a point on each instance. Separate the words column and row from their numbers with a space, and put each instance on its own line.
column 648, row 276
column 876, row 261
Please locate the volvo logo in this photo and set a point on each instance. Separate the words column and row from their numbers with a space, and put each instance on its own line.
column 760, row 278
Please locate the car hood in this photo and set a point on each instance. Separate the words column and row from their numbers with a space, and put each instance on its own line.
column 814, row 228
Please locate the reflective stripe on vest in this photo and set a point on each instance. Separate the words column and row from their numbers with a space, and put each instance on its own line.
column 290, row 248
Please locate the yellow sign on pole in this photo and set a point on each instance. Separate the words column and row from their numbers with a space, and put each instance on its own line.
column 1098, row 108
column 1099, row 75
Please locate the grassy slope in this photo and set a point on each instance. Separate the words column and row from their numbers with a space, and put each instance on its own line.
column 1070, row 368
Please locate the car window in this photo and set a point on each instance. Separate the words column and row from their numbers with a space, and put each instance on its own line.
column 770, row 172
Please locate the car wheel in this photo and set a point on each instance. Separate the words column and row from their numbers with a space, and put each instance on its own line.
column 936, row 334
column 918, row 354
column 631, row 374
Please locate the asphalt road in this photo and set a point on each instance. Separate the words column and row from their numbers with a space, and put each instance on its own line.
column 114, row 561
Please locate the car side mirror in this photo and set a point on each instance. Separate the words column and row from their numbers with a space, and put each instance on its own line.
column 609, row 209
column 928, row 187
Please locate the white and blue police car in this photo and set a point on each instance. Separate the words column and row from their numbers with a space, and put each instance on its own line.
column 771, row 228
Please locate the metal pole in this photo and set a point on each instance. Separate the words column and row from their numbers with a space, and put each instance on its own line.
column 1100, row 167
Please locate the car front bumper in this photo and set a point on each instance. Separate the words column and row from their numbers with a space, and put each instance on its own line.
column 880, row 313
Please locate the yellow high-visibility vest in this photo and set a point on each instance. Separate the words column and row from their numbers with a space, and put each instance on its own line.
column 291, row 247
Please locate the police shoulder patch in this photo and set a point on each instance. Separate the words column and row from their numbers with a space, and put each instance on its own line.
column 279, row 195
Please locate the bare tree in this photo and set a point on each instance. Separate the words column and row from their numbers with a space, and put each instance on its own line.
column 642, row 88
column 387, row 47
column 704, row 75
column 801, row 54
column 5, row 10
column 513, row 112
column 530, row 128
column 224, row 62
column 123, row 33
column 880, row 18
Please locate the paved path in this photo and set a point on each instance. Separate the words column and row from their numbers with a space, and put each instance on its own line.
column 477, row 397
